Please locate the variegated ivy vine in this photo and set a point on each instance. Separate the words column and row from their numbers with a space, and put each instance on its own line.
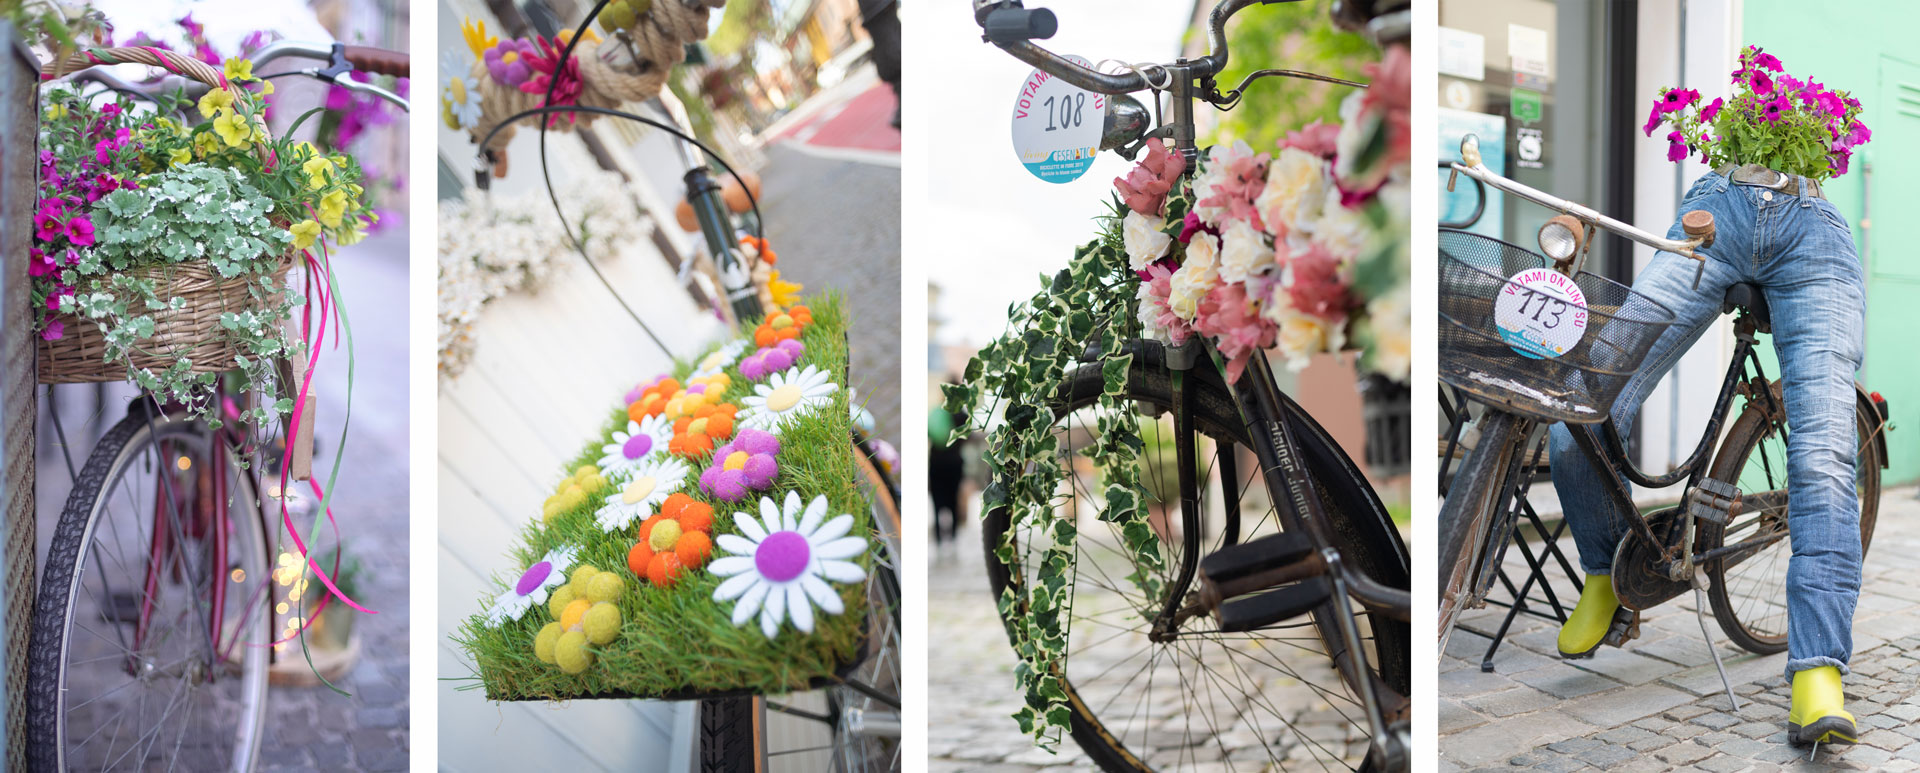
column 1083, row 316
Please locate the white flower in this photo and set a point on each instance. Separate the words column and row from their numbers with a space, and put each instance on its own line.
column 549, row 572
column 1345, row 232
column 642, row 440
column 1150, row 314
column 1144, row 240
column 1243, row 252
column 1390, row 319
column 459, row 92
column 786, row 397
column 1354, row 132
column 719, row 360
column 1297, row 185
column 1301, row 335
column 781, row 566
column 1196, row 277
column 1219, row 160
column 649, row 486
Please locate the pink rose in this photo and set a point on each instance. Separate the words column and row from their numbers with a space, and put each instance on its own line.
column 1145, row 188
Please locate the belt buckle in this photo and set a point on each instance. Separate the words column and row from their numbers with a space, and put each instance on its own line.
column 1780, row 180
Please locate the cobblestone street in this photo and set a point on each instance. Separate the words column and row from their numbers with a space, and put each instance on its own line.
column 1657, row 704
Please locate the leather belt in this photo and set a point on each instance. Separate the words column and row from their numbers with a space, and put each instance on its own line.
column 1765, row 177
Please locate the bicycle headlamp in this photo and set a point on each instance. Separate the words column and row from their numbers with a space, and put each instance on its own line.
column 1560, row 237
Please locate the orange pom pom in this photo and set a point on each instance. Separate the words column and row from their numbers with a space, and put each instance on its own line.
column 690, row 445
column 638, row 557
column 664, row 569
column 764, row 336
column 720, row 426
column 696, row 517
column 674, row 504
column 646, row 526
column 693, row 549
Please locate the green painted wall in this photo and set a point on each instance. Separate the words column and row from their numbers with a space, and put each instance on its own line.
column 1867, row 47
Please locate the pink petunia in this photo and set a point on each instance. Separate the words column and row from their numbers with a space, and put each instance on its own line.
column 80, row 230
column 55, row 329
column 1707, row 113
column 1676, row 146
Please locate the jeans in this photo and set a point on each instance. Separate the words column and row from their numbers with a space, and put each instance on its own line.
column 1800, row 251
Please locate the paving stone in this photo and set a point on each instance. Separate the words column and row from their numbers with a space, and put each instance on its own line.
column 1576, row 745
column 1469, row 682
column 1724, row 764
column 1684, row 753
column 1626, row 667
column 1608, row 757
column 1455, row 717
column 1625, row 735
column 1716, row 720
column 1563, row 681
column 1561, row 765
column 1507, row 703
column 1755, row 729
column 1688, row 711
column 1624, row 706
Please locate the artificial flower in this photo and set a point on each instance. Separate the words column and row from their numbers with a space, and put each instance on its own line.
column 786, row 397
column 1318, row 138
column 475, row 33
column 748, row 464
column 782, row 325
column 780, row 563
column 507, row 62
column 573, row 492
column 459, row 94
column 772, row 359
column 1196, row 276
column 695, row 434
column 1144, row 238
column 1144, row 189
column 1295, row 191
column 648, row 485
column 1243, row 252
column 1390, row 330
column 651, row 400
column 533, row 585
column 673, row 542
column 640, row 441
column 1301, row 335
column 719, row 359
column 1157, row 319
column 1228, row 184
column 1234, row 323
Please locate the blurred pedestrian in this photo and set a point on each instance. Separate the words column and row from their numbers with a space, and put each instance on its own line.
column 946, row 468
column 882, row 20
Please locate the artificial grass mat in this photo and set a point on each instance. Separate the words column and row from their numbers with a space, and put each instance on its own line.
column 677, row 641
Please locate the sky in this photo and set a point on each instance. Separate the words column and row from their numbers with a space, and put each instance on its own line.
column 1000, row 227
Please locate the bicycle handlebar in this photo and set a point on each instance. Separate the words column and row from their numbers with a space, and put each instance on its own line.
column 379, row 61
column 341, row 60
column 1013, row 28
column 1479, row 171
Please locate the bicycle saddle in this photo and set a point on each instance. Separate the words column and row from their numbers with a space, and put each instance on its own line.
column 1746, row 296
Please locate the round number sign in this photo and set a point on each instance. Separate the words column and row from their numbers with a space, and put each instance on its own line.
column 1056, row 126
column 1541, row 313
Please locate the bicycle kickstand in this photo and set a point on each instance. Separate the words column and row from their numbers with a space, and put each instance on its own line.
column 1714, row 501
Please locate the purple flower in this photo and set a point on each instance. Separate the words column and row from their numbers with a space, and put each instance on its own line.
column 745, row 465
column 507, row 62
column 1838, row 162
column 1765, row 61
column 1192, row 225
column 772, row 359
column 55, row 329
column 1761, row 83
column 38, row 264
column 1676, row 146
column 1653, row 119
column 1707, row 113
column 80, row 230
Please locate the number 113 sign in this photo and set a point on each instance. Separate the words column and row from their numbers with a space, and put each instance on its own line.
column 1056, row 126
column 1541, row 313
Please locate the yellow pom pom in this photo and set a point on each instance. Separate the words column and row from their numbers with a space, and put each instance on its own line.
column 593, row 484
column 602, row 622
column 605, row 586
column 573, row 498
column 571, row 652
column 565, row 483
column 543, row 643
column 578, row 580
column 664, row 535
column 575, row 610
column 557, row 603
column 584, row 471
column 551, row 509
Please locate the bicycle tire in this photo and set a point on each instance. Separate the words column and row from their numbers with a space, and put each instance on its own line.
column 64, row 569
column 1748, row 433
column 1475, row 497
column 1369, row 544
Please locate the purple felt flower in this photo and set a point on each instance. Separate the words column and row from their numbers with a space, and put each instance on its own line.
column 772, row 359
column 743, row 466
column 507, row 62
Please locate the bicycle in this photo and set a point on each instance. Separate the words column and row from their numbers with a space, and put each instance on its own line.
column 174, row 506
column 854, row 714
column 1309, row 564
column 1725, row 540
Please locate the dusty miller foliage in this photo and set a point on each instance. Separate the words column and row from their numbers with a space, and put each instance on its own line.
column 1082, row 317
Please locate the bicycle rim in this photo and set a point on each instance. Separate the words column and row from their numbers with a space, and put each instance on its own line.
column 133, row 674
column 1244, row 700
column 1478, row 492
column 1749, row 588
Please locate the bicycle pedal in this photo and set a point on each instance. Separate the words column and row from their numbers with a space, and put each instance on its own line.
column 1713, row 500
column 1259, row 611
column 1247, row 558
column 1624, row 628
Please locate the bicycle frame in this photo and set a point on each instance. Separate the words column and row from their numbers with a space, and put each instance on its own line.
column 710, row 210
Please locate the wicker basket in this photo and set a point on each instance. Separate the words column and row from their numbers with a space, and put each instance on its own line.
column 79, row 355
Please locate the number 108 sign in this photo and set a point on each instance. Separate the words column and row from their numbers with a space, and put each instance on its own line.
column 1541, row 313
column 1057, row 125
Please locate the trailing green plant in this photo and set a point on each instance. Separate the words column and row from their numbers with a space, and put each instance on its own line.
column 1084, row 314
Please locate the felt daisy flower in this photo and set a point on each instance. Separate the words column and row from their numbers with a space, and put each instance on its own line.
column 786, row 397
column 547, row 573
column 781, row 566
column 743, row 466
column 459, row 93
column 647, row 486
column 719, row 359
column 642, row 440
column 772, row 359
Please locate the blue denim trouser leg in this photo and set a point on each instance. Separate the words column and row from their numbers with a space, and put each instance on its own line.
column 1800, row 251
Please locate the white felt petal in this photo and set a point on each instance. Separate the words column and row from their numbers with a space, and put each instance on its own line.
column 768, row 625
column 776, row 603
column 736, row 544
column 845, row 547
column 801, row 610
column 730, row 566
column 732, row 588
column 748, row 604
column 749, row 526
column 842, row 571
column 792, row 509
column 770, row 513
column 834, row 529
column 816, row 510
column 822, row 594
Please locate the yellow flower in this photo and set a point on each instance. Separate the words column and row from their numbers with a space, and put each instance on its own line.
column 356, row 190
column 567, row 35
column 56, row 111
column 266, row 87
column 239, row 69
column 477, row 39
column 214, row 101
column 332, row 207
column 317, row 169
column 784, row 292
column 206, row 144
column 167, row 125
column 179, row 156
column 304, row 234
column 354, row 236
column 234, row 128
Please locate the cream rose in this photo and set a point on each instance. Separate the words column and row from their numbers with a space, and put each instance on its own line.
column 1390, row 320
column 1196, row 276
column 1344, row 232
column 1301, row 335
column 1243, row 252
column 1144, row 240
column 1219, row 160
column 1297, row 186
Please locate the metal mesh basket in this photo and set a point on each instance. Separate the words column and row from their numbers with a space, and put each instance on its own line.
column 1578, row 386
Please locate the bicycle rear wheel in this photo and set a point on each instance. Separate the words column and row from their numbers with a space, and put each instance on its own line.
column 1243, row 700
column 1481, row 493
column 132, row 663
column 1749, row 589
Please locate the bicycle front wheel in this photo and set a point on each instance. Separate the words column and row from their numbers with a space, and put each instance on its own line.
column 1196, row 695
column 1749, row 589
column 1478, row 496
column 149, row 635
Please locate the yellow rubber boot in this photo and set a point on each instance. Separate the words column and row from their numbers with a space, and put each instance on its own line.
column 1818, row 715
column 1591, row 618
